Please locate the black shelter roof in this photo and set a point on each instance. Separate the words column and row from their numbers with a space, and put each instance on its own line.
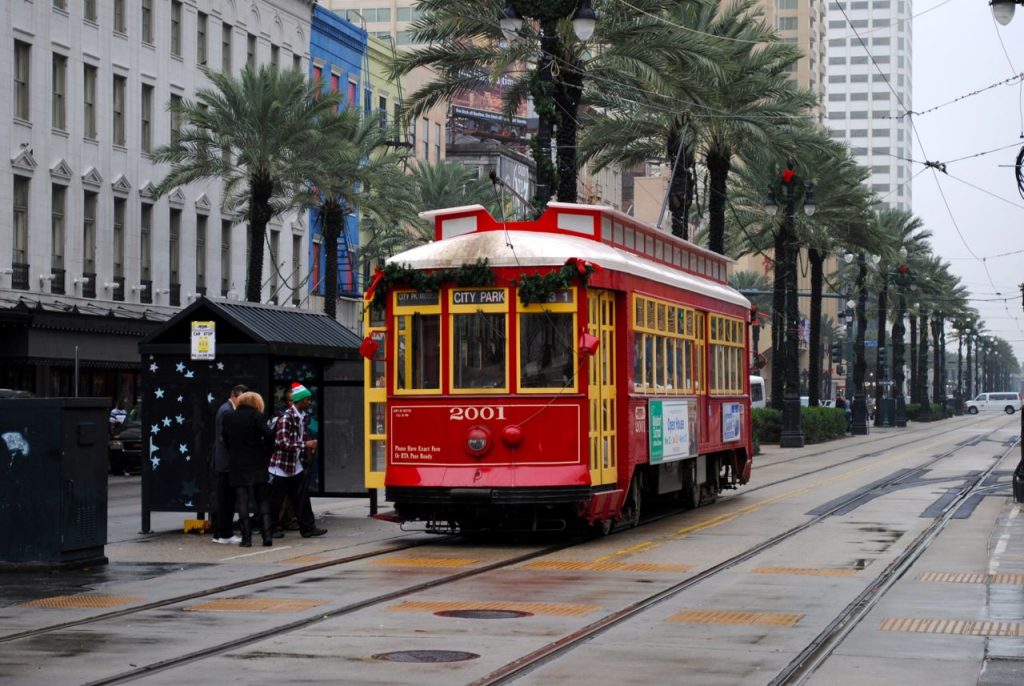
column 279, row 330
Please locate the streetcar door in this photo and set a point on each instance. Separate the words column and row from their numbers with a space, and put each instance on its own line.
column 601, row 389
column 375, row 397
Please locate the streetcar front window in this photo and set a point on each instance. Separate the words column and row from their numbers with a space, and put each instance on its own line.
column 419, row 342
column 479, row 354
column 546, row 350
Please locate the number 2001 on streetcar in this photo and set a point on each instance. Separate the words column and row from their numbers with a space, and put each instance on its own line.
column 553, row 374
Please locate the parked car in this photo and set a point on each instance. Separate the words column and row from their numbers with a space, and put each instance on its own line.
column 124, row 451
column 757, row 395
column 994, row 402
column 6, row 393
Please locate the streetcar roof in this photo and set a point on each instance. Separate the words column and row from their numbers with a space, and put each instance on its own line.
column 514, row 248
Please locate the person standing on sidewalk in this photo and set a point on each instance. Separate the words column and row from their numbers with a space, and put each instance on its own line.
column 224, row 507
column 249, row 441
column 286, row 477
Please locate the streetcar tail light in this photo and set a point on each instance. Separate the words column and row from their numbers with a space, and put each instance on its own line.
column 512, row 435
column 478, row 441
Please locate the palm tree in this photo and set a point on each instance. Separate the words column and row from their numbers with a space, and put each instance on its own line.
column 354, row 170
column 254, row 133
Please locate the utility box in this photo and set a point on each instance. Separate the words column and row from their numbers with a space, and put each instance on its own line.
column 53, row 482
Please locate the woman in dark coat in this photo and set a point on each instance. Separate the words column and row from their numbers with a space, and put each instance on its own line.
column 249, row 442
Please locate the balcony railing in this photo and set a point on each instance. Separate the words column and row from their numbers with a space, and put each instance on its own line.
column 58, row 285
column 88, row 284
column 19, row 276
column 118, row 293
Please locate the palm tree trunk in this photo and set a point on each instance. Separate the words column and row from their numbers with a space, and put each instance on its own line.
column 817, row 261
column 880, row 371
column 718, row 174
column 915, row 371
column 542, row 91
column 568, row 90
column 680, row 192
column 922, row 359
column 778, row 319
column 260, row 192
column 938, row 377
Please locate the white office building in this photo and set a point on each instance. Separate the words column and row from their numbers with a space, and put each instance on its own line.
column 88, row 254
column 869, row 90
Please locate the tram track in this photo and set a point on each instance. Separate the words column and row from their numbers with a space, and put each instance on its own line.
column 823, row 644
column 512, row 670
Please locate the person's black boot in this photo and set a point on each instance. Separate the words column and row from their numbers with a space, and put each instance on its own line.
column 268, row 530
column 246, row 533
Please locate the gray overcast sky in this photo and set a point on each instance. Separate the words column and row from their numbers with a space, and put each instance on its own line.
column 957, row 50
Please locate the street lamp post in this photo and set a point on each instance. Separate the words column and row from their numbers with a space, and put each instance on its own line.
column 792, row 436
column 903, row 278
column 925, row 413
column 557, row 90
column 970, row 364
column 860, row 405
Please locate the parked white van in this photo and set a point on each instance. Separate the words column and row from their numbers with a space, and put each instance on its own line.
column 994, row 402
column 757, row 396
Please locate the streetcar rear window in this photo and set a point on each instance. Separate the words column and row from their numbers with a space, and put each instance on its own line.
column 546, row 350
column 419, row 343
column 479, row 353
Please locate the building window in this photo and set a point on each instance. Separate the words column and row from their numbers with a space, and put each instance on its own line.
column 334, row 82
column 20, row 225
column 787, row 23
column 201, row 254
column 89, row 237
column 22, row 60
column 437, row 142
column 250, row 51
column 275, row 56
column 296, row 266
column 120, row 85
column 145, row 242
column 147, row 21
column 176, row 28
column 89, row 9
column 297, row 62
column 119, row 21
column 201, row 20
column 120, row 205
column 57, row 233
column 426, row 139
column 225, row 257
column 352, row 95
column 60, row 4
column 146, row 138
column 89, row 101
column 275, row 269
column 175, row 108
column 59, row 90
column 174, row 247
column 225, row 48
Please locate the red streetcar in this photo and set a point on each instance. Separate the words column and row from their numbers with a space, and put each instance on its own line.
column 537, row 375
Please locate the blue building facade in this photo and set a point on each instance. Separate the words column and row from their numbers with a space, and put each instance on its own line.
column 337, row 56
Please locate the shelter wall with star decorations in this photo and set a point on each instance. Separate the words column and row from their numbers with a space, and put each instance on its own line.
column 180, row 398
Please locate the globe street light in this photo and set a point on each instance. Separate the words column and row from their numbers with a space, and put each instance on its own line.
column 1002, row 10
column 791, row 436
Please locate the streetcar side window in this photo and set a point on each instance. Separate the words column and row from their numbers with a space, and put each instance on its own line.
column 663, row 347
column 726, row 356
column 548, row 359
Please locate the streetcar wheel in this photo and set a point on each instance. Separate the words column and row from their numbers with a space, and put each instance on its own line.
column 602, row 528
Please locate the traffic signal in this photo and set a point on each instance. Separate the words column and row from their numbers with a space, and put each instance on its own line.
column 881, row 357
column 837, row 351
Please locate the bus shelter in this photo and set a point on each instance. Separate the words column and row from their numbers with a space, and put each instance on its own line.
column 192, row 361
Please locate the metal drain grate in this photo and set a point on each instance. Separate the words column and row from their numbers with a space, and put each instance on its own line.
column 958, row 627
column 972, row 578
column 255, row 605
column 484, row 614
column 424, row 562
column 83, row 602
column 585, row 566
column 806, row 571
column 426, row 656
column 547, row 609
column 737, row 617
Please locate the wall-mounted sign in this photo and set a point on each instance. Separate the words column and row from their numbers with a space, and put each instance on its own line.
column 204, row 340
column 489, row 296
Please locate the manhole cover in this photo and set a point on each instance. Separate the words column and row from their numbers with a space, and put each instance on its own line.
column 484, row 614
column 426, row 656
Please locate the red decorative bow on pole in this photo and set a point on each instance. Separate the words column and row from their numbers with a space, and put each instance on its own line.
column 787, row 176
column 378, row 274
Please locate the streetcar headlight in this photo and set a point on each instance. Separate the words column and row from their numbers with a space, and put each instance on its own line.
column 478, row 441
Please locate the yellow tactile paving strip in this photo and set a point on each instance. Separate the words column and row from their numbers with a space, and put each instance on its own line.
column 738, row 617
column 588, row 566
column 549, row 609
column 83, row 602
column 425, row 562
column 255, row 605
column 958, row 627
column 305, row 560
column 972, row 578
column 806, row 571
